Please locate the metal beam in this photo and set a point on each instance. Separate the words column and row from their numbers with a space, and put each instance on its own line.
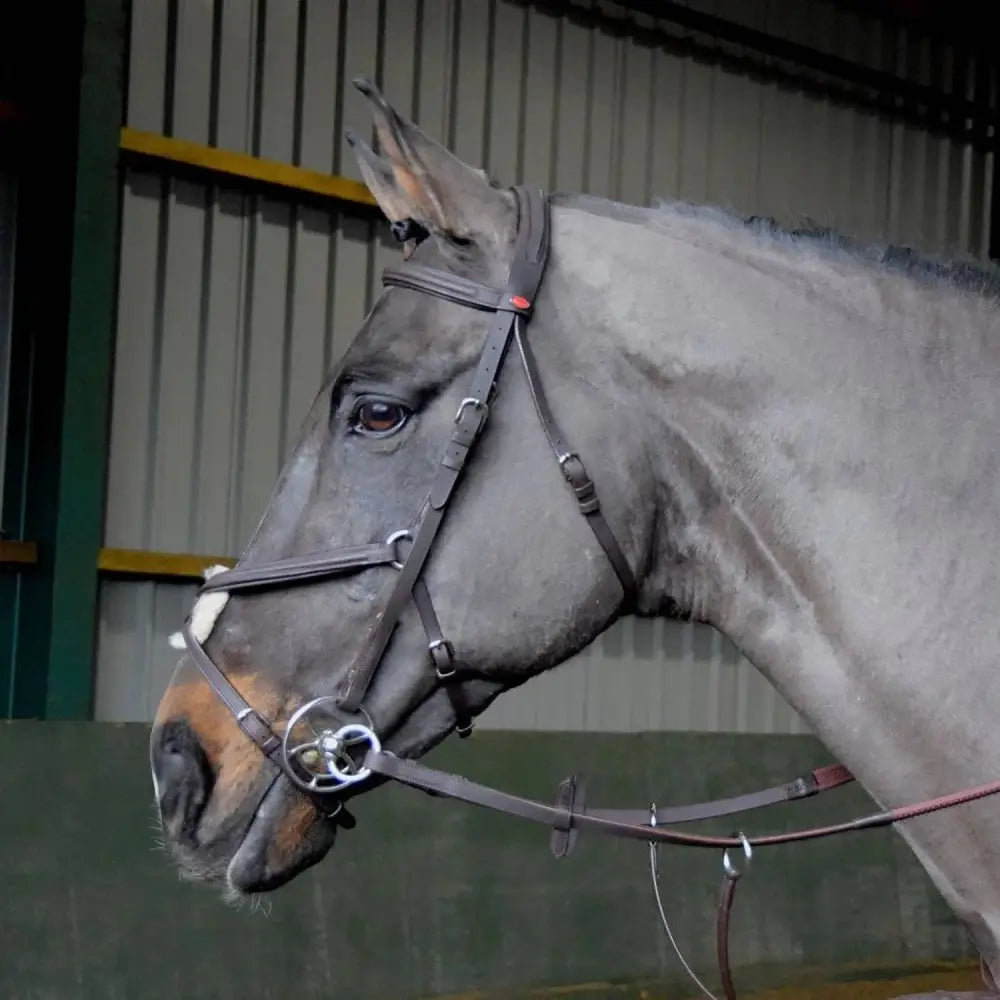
column 714, row 40
column 18, row 553
column 89, row 348
column 148, row 147
column 149, row 565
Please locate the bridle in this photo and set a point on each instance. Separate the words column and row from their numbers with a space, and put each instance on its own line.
column 512, row 308
column 323, row 765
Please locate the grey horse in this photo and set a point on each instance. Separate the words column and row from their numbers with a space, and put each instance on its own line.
column 793, row 439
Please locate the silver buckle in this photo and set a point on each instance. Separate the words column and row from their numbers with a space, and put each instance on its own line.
column 563, row 459
column 478, row 405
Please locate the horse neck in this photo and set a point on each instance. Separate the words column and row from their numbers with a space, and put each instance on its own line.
column 821, row 436
column 825, row 465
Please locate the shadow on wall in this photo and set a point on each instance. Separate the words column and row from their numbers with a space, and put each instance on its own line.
column 428, row 897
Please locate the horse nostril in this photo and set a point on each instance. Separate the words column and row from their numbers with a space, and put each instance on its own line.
column 182, row 778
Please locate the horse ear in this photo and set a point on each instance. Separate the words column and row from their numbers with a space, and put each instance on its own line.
column 417, row 178
column 380, row 179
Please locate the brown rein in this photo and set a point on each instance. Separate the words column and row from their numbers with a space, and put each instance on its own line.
column 568, row 816
column 565, row 816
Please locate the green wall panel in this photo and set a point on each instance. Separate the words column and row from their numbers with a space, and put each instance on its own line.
column 427, row 897
column 89, row 351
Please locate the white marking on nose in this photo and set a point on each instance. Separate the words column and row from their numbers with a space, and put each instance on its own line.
column 206, row 612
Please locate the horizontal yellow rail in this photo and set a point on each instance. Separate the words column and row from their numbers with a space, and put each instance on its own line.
column 136, row 562
column 19, row 553
column 223, row 161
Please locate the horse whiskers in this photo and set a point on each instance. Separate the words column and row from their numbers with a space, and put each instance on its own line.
column 237, row 899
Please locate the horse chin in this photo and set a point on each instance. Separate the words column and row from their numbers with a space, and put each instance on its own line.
column 285, row 837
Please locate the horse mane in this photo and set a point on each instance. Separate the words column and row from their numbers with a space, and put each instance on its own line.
column 960, row 272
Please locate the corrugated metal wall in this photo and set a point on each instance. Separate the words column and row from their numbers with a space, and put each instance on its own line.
column 231, row 305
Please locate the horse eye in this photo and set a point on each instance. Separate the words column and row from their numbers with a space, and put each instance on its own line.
column 379, row 417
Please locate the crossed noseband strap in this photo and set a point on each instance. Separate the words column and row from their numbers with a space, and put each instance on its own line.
column 323, row 762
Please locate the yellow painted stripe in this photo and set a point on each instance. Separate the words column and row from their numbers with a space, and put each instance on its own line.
column 151, row 564
column 223, row 161
column 22, row 553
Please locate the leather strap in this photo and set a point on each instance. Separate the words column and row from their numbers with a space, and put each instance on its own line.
column 564, row 817
column 569, row 800
column 574, row 471
column 525, row 277
column 359, row 675
column 442, row 654
column 722, row 915
column 820, row 780
column 295, row 569
column 444, row 285
column 411, row 772
column 248, row 719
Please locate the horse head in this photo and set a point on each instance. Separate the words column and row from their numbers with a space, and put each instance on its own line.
column 509, row 583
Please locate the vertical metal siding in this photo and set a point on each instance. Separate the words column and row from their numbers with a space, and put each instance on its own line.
column 233, row 304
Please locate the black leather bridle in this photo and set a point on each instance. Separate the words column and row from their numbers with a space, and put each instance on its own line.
column 322, row 764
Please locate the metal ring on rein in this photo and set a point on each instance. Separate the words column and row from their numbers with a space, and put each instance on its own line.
column 732, row 872
column 397, row 536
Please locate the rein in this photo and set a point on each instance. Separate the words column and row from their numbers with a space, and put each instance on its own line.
column 335, row 757
column 568, row 816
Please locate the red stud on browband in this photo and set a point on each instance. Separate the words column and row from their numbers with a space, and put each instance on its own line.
column 519, row 302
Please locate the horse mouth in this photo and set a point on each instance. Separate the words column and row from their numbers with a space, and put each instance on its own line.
column 286, row 835
column 280, row 832
column 289, row 832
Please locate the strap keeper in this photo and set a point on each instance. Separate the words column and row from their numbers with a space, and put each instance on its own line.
column 253, row 724
column 586, row 498
column 569, row 800
column 455, row 455
column 575, row 473
column 443, row 655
